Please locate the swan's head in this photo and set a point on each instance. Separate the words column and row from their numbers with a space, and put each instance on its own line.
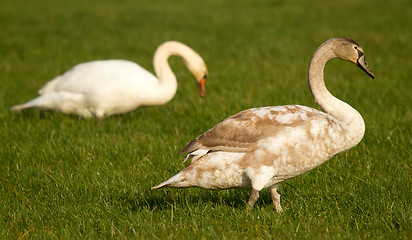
column 349, row 50
column 199, row 71
column 193, row 61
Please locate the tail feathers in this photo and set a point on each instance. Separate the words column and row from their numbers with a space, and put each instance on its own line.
column 163, row 184
column 174, row 181
column 38, row 102
column 66, row 102
column 21, row 107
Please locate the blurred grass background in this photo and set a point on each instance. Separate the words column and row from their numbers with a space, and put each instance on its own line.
column 66, row 177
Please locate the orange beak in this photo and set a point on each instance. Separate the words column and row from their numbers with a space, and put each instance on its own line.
column 201, row 86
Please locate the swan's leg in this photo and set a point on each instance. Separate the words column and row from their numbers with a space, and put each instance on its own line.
column 98, row 113
column 97, row 120
column 254, row 195
column 275, row 197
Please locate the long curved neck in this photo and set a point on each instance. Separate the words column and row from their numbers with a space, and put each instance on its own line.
column 167, row 85
column 330, row 104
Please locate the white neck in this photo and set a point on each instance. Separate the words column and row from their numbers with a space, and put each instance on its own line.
column 167, row 87
column 330, row 104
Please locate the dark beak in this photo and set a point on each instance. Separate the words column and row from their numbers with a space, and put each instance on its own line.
column 364, row 66
column 201, row 86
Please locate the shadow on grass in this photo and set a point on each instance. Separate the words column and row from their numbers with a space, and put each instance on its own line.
column 159, row 200
column 34, row 113
column 164, row 199
column 128, row 118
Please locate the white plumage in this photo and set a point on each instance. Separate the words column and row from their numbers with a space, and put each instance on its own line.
column 107, row 87
column 261, row 147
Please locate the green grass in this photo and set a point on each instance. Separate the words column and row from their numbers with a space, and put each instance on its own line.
column 65, row 177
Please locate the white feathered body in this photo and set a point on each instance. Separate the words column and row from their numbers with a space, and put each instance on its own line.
column 98, row 88
column 260, row 147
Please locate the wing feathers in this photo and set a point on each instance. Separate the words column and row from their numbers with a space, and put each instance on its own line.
column 238, row 132
column 233, row 134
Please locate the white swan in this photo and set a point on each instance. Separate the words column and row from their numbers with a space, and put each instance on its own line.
column 262, row 147
column 103, row 88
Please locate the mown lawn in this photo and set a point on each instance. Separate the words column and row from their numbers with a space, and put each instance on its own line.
column 66, row 177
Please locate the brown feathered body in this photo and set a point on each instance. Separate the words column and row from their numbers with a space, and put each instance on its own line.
column 261, row 147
